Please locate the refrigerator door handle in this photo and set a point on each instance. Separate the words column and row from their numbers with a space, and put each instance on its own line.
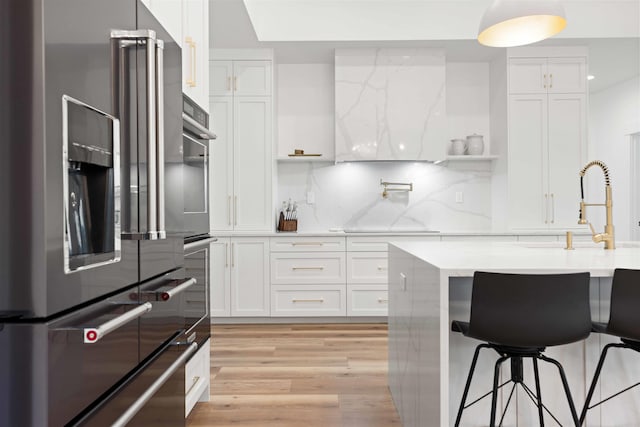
column 183, row 286
column 157, row 385
column 155, row 129
column 93, row 335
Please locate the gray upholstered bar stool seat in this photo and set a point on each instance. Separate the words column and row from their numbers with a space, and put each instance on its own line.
column 624, row 323
column 518, row 316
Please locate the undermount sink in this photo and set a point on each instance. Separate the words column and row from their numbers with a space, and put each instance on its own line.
column 389, row 231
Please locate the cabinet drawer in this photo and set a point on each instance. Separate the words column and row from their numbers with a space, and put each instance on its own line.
column 312, row 300
column 197, row 378
column 367, row 267
column 304, row 268
column 367, row 300
column 307, row 244
column 381, row 243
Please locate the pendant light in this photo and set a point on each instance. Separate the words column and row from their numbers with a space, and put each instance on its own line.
column 509, row 23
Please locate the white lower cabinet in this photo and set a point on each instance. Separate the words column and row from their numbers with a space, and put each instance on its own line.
column 308, row 300
column 240, row 277
column 197, row 384
column 367, row 300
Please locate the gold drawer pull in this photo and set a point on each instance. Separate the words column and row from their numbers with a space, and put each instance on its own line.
column 308, row 300
column 380, row 268
column 194, row 383
column 307, row 268
column 383, row 300
column 307, row 244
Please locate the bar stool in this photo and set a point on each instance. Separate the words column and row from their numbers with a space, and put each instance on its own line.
column 624, row 323
column 518, row 316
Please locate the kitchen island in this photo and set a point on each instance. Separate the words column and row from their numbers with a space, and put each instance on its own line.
column 430, row 285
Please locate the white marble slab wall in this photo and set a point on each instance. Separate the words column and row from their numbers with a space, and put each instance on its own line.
column 349, row 196
column 390, row 104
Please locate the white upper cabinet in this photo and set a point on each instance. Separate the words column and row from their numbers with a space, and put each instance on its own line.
column 187, row 21
column 169, row 13
column 390, row 104
column 195, row 51
column 547, row 131
column 240, row 78
column 547, row 75
column 242, row 179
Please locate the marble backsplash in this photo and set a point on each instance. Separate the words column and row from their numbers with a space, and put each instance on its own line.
column 349, row 196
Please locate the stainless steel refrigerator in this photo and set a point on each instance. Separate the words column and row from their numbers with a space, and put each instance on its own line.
column 92, row 326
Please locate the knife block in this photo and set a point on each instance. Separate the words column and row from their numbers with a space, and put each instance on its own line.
column 287, row 224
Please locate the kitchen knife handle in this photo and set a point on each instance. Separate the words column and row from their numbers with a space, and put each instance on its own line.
column 153, row 389
column 181, row 287
column 93, row 335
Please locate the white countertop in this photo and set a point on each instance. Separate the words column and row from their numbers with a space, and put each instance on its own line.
column 463, row 258
column 342, row 233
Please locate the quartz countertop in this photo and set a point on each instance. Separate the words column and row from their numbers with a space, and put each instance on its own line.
column 342, row 233
column 463, row 258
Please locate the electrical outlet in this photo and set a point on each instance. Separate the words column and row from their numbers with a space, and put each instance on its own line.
column 311, row 197
column 459, row 197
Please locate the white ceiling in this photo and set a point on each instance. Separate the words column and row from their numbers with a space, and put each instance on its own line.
column 611, row 60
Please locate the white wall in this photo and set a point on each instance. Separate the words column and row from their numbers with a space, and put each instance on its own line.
column 614, row 113
column 349, row 195
column 305, row 106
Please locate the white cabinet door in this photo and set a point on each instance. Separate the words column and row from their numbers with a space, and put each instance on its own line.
column 220, row 281
column 567, row 145
column 528, row 75
column 195, row 51
column 252, row 163
column 250, row 277
column 528, row 196
column 252, row 78
column 221, row 78
column 221, row 181
column 169, row 13
column 567, row 75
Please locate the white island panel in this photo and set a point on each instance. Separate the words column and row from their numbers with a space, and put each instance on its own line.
column 430, row 285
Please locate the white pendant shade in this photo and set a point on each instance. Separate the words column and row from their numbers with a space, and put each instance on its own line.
column 518, row 22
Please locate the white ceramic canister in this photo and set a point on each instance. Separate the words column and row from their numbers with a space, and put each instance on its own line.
column 458, row 147
column 475, row 145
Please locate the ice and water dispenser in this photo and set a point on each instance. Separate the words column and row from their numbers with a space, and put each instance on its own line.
column 91, row 168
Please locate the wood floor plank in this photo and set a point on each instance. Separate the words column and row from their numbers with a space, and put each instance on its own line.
column 298, row 375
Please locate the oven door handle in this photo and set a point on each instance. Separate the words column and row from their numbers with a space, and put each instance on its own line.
column 93, row 335
column 153, row 389
column 181, row 287
column 201, row 131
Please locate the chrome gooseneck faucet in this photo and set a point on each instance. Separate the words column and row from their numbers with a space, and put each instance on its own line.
column 607, row 237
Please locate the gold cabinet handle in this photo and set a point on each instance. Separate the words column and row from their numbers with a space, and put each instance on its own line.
column 381, row 268
column 232, row 260
column 307, row 300
column 235, row 83
column 383, row 300
column 307, row 268
column 550, row 80
column 229, row 210
column 191, row 81
column 229, row 83
column 307, row 244
column 544, row 81
column 553, row 209
column 226, row 255
column 235, row 210
column 194, row 383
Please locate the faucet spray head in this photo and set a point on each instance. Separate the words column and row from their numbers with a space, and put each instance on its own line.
column 582, row 217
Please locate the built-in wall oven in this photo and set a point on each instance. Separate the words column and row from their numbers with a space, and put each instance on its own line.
column 195, row 143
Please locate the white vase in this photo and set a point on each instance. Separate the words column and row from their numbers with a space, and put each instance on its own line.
column 475, row 145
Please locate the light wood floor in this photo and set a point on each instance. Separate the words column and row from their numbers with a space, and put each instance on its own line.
column 298, row 376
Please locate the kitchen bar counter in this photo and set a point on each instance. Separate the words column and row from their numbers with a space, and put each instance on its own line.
column 430, row 284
